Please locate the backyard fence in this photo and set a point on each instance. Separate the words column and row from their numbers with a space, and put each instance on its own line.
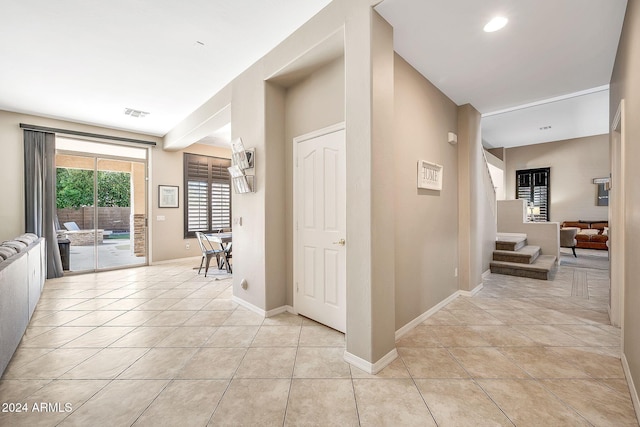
column 114, row 218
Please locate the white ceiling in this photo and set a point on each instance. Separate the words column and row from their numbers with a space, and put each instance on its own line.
column 88, row 61
column 549, row 48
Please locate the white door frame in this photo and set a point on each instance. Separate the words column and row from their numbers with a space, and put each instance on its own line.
column 296, row 235
column 617, row 219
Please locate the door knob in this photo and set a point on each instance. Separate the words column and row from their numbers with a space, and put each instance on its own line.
column 340, row 242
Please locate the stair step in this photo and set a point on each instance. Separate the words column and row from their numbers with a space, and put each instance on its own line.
column 538, row 270
column 510, row 241
column 525, row 255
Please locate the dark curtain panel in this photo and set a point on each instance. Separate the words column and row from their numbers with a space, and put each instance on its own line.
column 40, row 194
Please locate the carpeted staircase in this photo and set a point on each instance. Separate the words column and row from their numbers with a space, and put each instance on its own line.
column 515, row 258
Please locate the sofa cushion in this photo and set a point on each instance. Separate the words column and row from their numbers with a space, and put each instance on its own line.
column 25, row 239
column 599, row 238
column 575, row 224
column 18, row 246
column 7, row 252
column 589, row 232
column 599, row 225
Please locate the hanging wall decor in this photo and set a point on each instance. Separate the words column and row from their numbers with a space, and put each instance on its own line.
column 429, row 175
column 242, row 160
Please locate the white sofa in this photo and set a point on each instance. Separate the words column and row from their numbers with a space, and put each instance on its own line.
column 22, row 276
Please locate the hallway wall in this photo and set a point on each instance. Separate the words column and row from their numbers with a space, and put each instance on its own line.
column 314, row 103
column 574, row 163
column 426, row 244
column 476, row 198
column 625, row 84
column 258, row 243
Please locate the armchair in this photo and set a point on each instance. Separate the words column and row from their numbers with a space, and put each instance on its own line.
column 568, row 238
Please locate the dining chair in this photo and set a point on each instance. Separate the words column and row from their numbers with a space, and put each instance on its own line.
column 208, row 251
column 226, row 255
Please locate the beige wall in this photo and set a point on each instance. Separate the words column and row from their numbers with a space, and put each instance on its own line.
column 426, row 221
column 165, row 167
column 12, row 163
column 368, row 114
column 476, row 198
column 574, row 163
column 276, row 286
column 314, row 103
column 382, row 188
column 512, row 218
column 625, row 84
column 167, row 235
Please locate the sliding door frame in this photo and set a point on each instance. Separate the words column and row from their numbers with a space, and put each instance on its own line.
column 96, row 157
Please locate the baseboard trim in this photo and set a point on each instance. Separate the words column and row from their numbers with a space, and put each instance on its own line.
column 472, row 292
column 172, row 260
column 632, row 388
column 433, row 310
column 368, row 367
column 261, row 312
column 249, row 306
column 486, row 273
column 291, row 310
column 279, row 310
column 424, row 316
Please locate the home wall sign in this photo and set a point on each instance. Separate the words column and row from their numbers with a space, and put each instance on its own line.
column 429, row 175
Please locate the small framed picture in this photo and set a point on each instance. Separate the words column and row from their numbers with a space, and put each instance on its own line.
column 168, row 196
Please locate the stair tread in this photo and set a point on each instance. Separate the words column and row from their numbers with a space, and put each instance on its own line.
column 543, row 263
column 523, row 251
column 511, row 239
column 510, row 235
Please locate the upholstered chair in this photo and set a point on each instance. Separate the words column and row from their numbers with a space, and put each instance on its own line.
column 568, row 238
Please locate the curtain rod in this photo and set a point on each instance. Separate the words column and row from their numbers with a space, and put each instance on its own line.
column 86, row 134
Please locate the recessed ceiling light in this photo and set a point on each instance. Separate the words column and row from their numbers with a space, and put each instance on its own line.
column 496, row 24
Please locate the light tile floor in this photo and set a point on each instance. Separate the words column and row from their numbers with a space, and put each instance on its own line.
column 160, row 345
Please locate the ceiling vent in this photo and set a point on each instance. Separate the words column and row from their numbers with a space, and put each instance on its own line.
column 135, row 113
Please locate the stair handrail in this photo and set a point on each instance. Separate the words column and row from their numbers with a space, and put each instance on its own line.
column 492, row 195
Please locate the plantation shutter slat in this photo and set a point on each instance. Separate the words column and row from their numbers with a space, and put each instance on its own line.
column 533, row 186
column 208, row 194
column 221, row 204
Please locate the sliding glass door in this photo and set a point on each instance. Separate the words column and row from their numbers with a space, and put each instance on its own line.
column 102, row 210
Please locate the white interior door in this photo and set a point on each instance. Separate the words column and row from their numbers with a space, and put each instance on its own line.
column 320, row 228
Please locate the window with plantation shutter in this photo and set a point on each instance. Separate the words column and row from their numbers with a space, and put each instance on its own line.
column 533, row 186
column 207, row 205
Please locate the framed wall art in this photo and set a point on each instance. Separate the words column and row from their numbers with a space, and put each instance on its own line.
column 168, row 196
